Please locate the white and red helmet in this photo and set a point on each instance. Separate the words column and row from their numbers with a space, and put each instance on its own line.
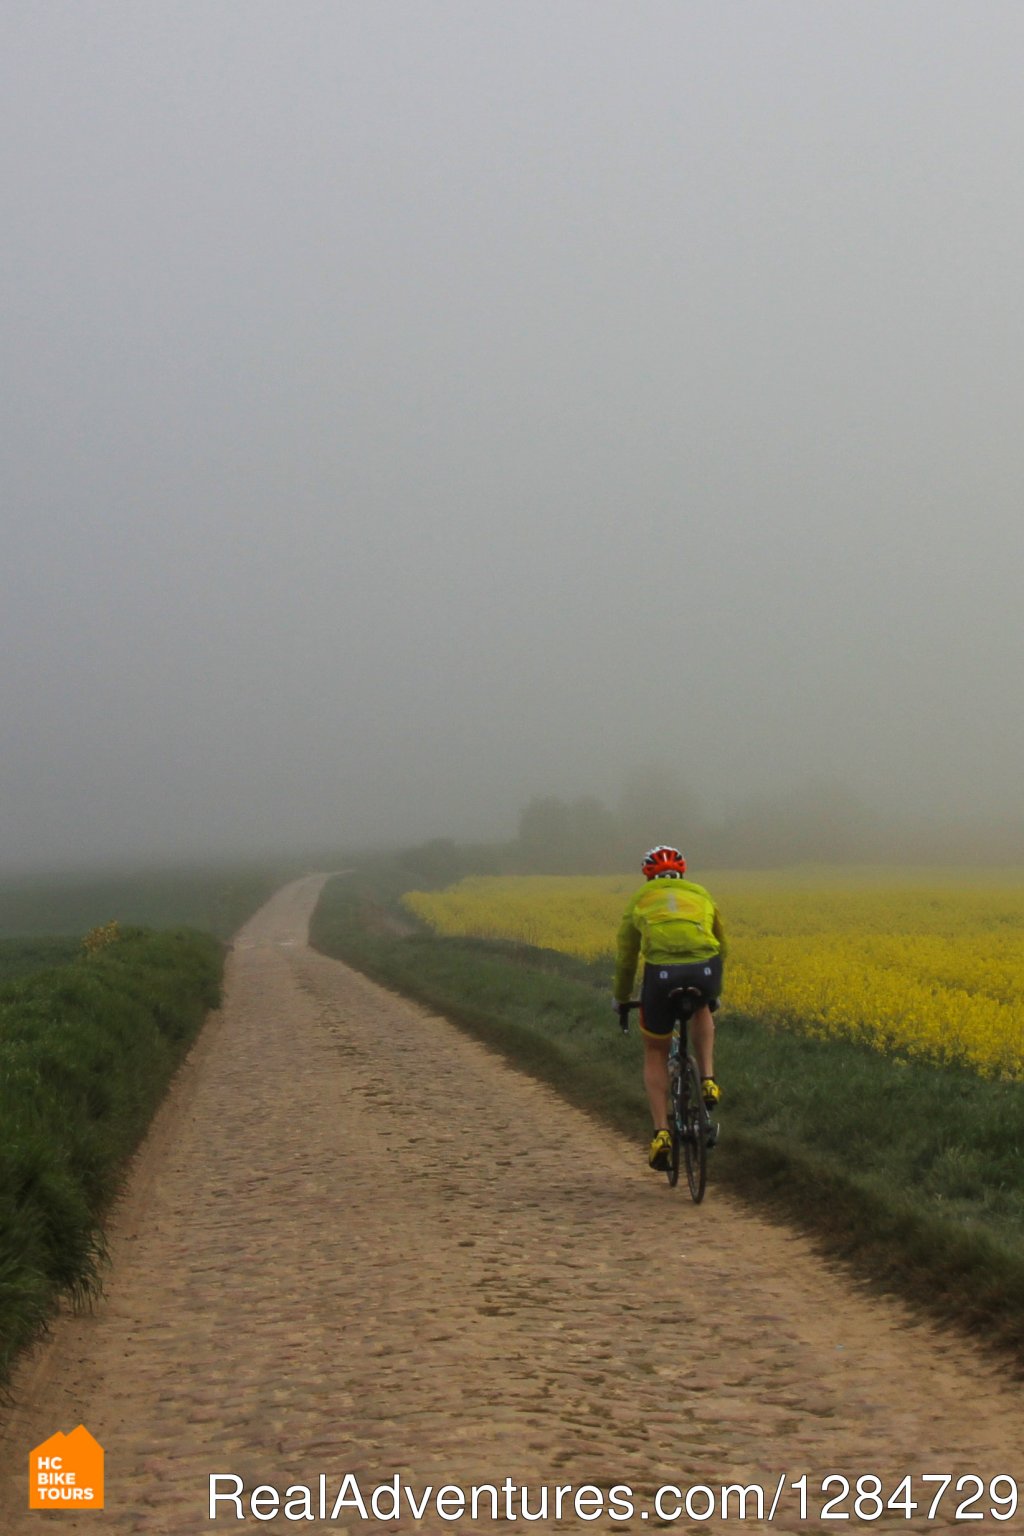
column 663, row 861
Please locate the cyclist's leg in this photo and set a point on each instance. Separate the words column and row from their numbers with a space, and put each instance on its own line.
column 656, row 1023
column 656, row 1033
column 656, row 1077
column 702, row 1039
column 706, row 975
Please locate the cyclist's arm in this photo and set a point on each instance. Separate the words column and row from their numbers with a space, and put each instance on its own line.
column 628, row 952
column 719, row 933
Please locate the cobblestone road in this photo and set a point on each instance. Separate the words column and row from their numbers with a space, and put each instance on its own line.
column 357, row 1242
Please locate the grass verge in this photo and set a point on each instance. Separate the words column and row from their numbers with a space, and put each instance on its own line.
column 86, row 1051
column 914, row 1174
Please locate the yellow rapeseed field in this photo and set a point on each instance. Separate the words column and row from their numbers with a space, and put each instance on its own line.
column 927, row 964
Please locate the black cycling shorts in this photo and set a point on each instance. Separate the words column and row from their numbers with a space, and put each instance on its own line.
column 656, row 1012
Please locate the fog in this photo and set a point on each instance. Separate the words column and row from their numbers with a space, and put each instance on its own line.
column 415, row 408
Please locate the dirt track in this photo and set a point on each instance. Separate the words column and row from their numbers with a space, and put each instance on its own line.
column 355, row 1241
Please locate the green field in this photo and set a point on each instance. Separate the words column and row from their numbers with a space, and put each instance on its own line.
column 216, row 899
column 20, row 957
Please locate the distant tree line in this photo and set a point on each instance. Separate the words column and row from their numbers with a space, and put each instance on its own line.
column 820, row 821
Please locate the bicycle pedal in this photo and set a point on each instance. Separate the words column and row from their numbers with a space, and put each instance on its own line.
column 713, row 1133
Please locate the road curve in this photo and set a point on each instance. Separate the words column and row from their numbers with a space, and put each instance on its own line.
column 356, row 1241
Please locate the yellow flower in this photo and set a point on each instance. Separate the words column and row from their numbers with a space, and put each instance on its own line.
column 98, row 938
column 927, row 964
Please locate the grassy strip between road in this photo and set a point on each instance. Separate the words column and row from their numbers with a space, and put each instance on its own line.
column 912, row 1173
column 86, row 1051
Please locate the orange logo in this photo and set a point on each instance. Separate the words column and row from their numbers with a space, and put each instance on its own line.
column 66, row 1472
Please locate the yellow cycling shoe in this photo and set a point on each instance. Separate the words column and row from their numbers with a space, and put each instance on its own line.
column 660, row 1155
column 710, row 1092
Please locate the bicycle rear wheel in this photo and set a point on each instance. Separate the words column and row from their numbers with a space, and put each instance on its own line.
column 693, row 1130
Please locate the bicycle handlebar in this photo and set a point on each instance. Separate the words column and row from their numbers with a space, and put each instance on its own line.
column 624, row 1011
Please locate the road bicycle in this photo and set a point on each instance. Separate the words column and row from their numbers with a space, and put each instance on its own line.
column 691, row 1128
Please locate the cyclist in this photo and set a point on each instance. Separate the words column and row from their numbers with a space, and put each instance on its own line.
column 674, row 926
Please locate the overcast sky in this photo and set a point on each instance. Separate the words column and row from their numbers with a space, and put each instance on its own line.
column 412, row 406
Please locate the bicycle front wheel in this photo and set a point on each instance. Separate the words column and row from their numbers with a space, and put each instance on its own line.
column 693, row 1130
column 672, row 1171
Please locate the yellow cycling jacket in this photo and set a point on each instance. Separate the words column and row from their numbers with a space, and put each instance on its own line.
column 668, row 922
